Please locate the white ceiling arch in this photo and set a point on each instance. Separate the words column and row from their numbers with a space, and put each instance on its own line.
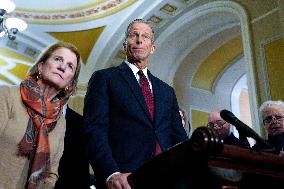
column 174, row 45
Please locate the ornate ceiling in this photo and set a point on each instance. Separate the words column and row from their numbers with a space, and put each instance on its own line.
column 190, row 36
column 97, row 28
column 68, row 12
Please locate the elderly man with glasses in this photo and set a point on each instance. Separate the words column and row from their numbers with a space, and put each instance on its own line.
column 223, row 129
column 272, row 114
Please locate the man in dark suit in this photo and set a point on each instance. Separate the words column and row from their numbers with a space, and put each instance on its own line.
column 74, row 165
column 130, row 115
column 224, row 176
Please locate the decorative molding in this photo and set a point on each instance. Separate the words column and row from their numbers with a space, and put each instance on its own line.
column 265, row 15
column 31, row 52
column 23, row 48
column 186, row 1
column 52, row 10
column 155, row 20
column 13, row 44
column 72, row 16
column 169, row 9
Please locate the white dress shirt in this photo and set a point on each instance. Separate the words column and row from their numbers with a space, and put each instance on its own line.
column 135, row 72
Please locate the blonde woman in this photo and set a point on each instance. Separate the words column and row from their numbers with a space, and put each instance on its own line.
column 32, row 126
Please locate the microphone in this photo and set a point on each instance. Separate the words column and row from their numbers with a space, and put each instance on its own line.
column 244, row 129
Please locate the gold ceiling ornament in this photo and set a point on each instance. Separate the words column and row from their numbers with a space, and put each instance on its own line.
column 169, row 9
column 155, row 19
column 84, row 40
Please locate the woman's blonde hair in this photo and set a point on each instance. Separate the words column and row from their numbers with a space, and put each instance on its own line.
column 34, row 72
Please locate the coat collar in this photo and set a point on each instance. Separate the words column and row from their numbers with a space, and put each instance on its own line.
column 129, row 77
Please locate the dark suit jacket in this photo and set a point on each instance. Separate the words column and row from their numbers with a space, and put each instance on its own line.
column 118, row 126
column 74, row 166
column 276, row 142
column 232, row 140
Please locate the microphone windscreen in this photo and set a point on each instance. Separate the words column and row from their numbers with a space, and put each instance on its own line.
column 228, row 116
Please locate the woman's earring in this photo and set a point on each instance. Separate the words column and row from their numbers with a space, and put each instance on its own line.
column 38, row 77
column 66, row 89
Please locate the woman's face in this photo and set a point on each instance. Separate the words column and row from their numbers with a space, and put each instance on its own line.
column 273, row 120
column 59, row 69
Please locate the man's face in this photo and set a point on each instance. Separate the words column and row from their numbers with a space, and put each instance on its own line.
column 273, row 120
column 221, row 127
column 139, row 44
column 59, row 69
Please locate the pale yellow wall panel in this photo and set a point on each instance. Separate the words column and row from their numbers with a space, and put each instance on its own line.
column 10, row 53
column 256, row 8
column 266, row 27
column 20, row 71
column 274, row 55
column 215, row 63
column 84, row 40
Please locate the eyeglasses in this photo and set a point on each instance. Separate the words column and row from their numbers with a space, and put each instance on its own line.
column 269, row 119
column 217, row 124
column 134, row 35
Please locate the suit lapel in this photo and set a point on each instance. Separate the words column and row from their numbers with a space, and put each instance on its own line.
column 157, row 98
column 129, row 77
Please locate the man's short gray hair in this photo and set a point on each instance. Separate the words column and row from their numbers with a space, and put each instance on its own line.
column 269, row 103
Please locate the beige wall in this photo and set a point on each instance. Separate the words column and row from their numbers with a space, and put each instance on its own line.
column 265, row 26
column 76, row 102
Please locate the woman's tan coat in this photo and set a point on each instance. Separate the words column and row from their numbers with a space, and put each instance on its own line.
column 13, row 123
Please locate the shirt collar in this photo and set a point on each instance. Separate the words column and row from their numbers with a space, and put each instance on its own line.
column 135, row 69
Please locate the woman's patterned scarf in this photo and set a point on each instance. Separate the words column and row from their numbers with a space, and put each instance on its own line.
column 43, row 118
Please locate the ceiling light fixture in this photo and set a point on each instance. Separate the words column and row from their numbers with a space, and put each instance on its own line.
column 10, row 26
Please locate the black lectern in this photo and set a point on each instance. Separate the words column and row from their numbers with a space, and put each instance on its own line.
column 190, row 162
